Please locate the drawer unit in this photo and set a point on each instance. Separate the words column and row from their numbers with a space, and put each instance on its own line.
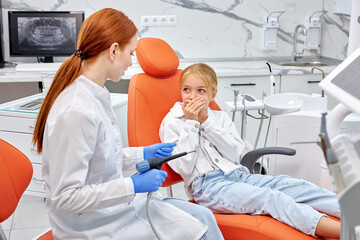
column 17, row 124
column 18, row 132
column 22, row 141
column 35, row 187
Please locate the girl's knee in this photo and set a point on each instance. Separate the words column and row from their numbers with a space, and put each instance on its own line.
column 205, row 210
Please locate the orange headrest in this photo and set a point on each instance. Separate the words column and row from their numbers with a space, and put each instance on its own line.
column 156, row 57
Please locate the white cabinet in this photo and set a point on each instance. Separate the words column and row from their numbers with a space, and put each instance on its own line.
column 16, row 127
column 300, row 131
column 253, row 85
column 18, row 132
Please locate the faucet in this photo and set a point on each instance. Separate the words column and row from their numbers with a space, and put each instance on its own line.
column 295, row 54
column 323, row 76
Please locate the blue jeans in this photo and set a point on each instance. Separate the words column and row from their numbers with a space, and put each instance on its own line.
column 201, row 213
column 289, row 200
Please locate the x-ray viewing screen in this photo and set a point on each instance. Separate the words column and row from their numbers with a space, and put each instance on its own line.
column 44, row 33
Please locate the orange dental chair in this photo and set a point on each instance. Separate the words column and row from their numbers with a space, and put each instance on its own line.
column 15, row 176
column 151, row 95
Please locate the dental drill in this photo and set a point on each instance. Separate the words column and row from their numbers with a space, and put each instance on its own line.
column 330, row 156
column 155, row 163
column 272, row 80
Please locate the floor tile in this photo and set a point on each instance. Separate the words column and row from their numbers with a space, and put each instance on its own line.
column 27, row 233
column 7, row 234
column 27, row 211
column 6, row 225
column 28, row 198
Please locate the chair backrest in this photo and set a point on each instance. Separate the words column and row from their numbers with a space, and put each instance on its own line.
column 152, row 94
column 15, row 175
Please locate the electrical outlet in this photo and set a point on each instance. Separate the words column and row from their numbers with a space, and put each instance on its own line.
column 159, row 21
column 145, row 21
column 172, row 20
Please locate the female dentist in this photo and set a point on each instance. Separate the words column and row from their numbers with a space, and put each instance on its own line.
column 87, row 197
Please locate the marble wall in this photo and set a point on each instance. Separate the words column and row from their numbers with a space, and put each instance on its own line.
column 212, row 28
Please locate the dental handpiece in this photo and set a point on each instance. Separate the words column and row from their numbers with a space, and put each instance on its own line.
column 152, row 163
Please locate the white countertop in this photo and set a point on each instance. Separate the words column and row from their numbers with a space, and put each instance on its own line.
column 222, row 69
column 13, row 108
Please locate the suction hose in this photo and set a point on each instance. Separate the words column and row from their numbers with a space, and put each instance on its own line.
column 147, row 165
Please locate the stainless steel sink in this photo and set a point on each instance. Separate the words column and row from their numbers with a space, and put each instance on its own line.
column 306, row 62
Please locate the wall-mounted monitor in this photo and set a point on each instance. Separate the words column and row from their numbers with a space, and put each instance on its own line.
column 44, row 33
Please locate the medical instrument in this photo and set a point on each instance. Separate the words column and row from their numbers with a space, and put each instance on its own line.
column 330, row 156
column 342, row 83
column 152, row 163
column 246, row 103
column 343, row 160
column 155, row 163
column 236, row 95
column 272, row 80
column 272, row 91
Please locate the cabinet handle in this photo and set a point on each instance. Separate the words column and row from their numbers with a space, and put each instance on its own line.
column 242, row 84
column 38, row 180
column 313, row 81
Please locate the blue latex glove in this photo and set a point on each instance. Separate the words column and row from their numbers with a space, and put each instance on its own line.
column 158, row 150
column 149, row 181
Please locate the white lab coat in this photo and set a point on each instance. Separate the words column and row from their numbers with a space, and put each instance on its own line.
column 87, row 196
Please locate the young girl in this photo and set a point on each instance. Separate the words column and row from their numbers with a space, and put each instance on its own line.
column 87, row 197
column 215, row 179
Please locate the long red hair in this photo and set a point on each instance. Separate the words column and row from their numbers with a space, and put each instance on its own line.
column 97, row 33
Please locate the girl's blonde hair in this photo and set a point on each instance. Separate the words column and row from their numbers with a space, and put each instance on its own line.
column 204, row 72
column 97, row 33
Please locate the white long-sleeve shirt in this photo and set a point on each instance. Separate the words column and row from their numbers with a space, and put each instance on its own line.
column 216, row 141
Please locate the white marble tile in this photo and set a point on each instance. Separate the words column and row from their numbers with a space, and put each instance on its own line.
column 214, row 29
column 30, row 214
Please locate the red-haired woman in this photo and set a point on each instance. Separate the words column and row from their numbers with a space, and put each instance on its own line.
column 87, row 197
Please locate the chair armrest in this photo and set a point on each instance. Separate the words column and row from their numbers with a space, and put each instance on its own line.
column 250, row 158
